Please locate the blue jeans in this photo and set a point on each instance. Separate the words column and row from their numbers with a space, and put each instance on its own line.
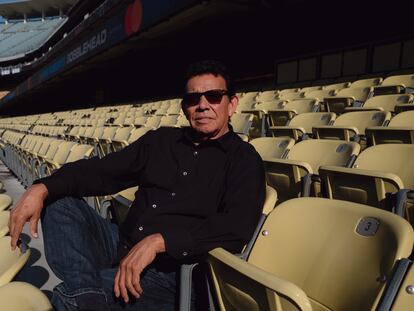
column 81, row 249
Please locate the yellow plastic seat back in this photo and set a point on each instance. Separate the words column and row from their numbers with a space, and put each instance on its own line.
column 272, row 147
column 349, row 124
column 20, row 296
column 387, row 102
column 4, row 220
column 304, row 158
column 399, row 130
column 11, row 262
column 302, row 124
column 339, row 253
column 323, row 152
column 378, row 170
column 241, row 122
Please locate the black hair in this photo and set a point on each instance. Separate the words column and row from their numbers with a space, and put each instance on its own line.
column 213, row 67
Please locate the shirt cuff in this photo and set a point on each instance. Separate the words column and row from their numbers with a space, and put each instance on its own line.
column 55, row 188
column 178, row 242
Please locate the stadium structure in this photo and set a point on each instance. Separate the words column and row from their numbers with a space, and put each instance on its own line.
column 326, row 96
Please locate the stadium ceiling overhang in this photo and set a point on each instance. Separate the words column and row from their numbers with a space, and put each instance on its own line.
column 13, row 8
column 112, row 26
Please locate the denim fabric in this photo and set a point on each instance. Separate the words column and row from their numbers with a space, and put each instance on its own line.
column 81, row 249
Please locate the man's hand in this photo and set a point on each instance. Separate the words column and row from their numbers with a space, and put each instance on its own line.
column 28, row 208
column 140, row 256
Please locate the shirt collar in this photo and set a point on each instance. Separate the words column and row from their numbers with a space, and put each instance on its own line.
column 224, row 142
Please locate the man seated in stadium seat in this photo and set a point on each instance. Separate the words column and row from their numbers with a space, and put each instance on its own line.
column 199, row 188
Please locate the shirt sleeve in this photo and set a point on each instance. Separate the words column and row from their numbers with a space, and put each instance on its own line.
column 233, row 226
column 95, row 176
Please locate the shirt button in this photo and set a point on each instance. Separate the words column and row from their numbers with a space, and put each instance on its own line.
column 173, row 194
column 154, row 205
column 185, row 253
column 140, row 228
column 185, row 173
column 195, row 153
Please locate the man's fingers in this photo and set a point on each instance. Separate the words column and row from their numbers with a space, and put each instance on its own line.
column 124, row 292
column 116, row 284
column 33, row 226
column 136, row 281
column 129, row 283
column 17, row 226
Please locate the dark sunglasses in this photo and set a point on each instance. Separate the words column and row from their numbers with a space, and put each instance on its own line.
column 213, row 97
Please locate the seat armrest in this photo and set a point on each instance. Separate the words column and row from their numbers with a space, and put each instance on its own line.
column 350, row 109
column 362, row 186
column 289, row 162
column 294, row 132
column 333, row 131
column 390, row 177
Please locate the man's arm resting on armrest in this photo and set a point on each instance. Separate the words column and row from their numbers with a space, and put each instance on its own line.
column 28, row 208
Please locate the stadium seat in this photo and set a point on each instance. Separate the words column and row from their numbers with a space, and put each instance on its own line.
column 337, row 86
column 367, row 82
column 247, row 101
column 272, row 147
column 296, row 175
column 103, row 146
column 241, row 123
column 168, row 121
column 277, row 117
column 4, row 220
column 121, row 136
column 36, row 162
column 266, row 96
column 305, row 259
column 5, row 201
column 395, row 85
column 351, row 125
column 289, row 90
column 290, row 96
column 378, row 172
column 126, row 136
column 260, row 114
column 399, row 130
column 319, row 94
column 182, row 121
column 347, row 97
column 300, row 126
column 311, row 88
column 384, row 102
column 76, row 152
column 11, row 262
column 21, row 296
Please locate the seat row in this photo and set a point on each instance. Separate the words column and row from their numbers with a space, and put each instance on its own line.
column 362, row 89
column 280, row 112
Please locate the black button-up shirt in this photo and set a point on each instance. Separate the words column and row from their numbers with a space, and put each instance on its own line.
column 198, row 197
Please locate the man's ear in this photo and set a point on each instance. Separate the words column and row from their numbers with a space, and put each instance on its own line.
column 234, row 101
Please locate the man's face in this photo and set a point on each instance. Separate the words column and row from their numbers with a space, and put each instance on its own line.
column 209, row 118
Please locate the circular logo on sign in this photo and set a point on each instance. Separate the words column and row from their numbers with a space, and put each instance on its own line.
column 133, row 17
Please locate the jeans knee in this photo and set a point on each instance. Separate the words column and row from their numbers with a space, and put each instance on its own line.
column 65, row 207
